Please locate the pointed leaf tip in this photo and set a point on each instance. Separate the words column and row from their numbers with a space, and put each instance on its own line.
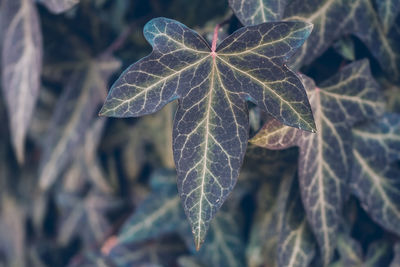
column 208, row 166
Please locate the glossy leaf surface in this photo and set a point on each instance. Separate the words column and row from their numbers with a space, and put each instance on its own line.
column 211, row 124
column 375, row 177
column 21, row 66
column 325, row 157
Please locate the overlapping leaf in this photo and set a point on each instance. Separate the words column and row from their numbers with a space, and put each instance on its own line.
column 387, row 10
column 85, row 216
column 59, row 6
column 21, row 66
column 351, row 254
column 75, row 111
column 211, row 124
column 272, row 197
column 329, row 17
column 375, row 177
column 296, row 245
column 252, row 12
column 325, row 157
column 382, row 43
column 161, row 213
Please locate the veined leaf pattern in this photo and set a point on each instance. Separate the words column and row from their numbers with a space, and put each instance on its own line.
column 252, row 12
column 161, row 213
column 86, row 90
column 387, row 11
column 21, row 66
column 325, row 157
column 351, row 254
column 211, row 124
column 329, row 17
column 375, row 177
column 383, row 45
column 296, row 245
column 59, row 6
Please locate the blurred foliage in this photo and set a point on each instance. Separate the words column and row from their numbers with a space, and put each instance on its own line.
column 81, row 181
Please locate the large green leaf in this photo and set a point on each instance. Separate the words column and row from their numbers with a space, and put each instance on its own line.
column 375, row 179
column 161, row 213
column 21, row 64
column 213, row 84
column 252, row 12
column 296, row 245
column 325, row 157
column 75, row 111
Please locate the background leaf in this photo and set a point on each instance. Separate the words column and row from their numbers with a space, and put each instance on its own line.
column 375, row 177
column 59, row 6
column 80, row 101
column 252, row 12
column 20, row 67
column 350, row 96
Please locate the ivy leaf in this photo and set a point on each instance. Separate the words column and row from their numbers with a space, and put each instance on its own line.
column 351, row 254
column 85, row 216
column 325, row 157
column 75, row 111
column 383, row 45
column 350, row 251
column 378, row 254
column 268, row 220
column 396, row 259
column 252, row 12
column 375, row 179
column 161, row 213
column 163, row 252
column 211, row 124
column 21, row 66
column 387, row 11
column 296, row 245
column 59, row 6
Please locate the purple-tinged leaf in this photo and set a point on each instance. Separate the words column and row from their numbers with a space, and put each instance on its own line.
column 252, row 12
column 387, row 11
column 21, row 66
column 74, row 113
column 272, row 196
column 375, row 177
column 59, row 6
column 384, row 46
column 325, row 159
column 85, row 217
column 296, row 246
column 161, row 213
column 211, row 124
